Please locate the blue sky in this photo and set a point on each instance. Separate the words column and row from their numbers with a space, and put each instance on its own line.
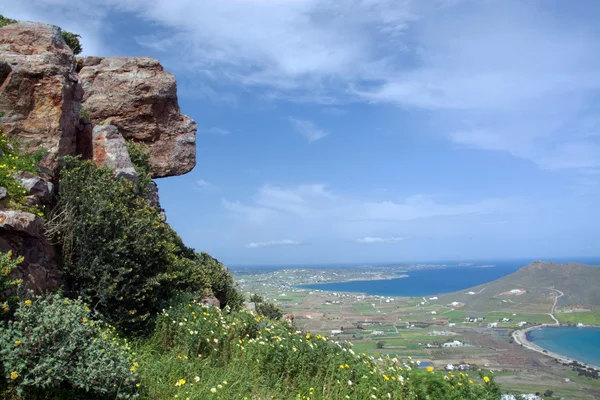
column 372, row 130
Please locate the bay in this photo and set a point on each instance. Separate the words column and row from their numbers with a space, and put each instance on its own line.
column 581, row 344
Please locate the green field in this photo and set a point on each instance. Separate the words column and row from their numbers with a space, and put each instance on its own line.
column 586, row 318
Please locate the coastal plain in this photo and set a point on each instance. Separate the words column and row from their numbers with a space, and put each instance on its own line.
column 473, row 326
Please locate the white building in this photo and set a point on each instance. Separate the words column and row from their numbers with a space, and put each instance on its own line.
column 493, row 325
column 454, row 343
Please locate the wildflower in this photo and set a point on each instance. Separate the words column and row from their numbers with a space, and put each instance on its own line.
column 84, row 320
column 486, row 379
column 224, row 382
column 17, row 342
column 28, row 303
column 213, row 390
column 14, row 375
column 429, row 369
column 349, row 383
column 196, row 378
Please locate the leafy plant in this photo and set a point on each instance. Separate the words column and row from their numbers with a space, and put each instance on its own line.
column 6, row 21
column 138, row 153
column 72, row 40
column 118, row 254
column 55, row 349
column 12, row 161
column 8, row 285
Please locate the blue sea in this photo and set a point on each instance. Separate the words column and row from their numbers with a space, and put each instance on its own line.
column 425, row 282
column 581, row 344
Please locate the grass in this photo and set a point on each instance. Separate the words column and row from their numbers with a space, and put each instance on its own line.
column 586, row 318
column 202, row 353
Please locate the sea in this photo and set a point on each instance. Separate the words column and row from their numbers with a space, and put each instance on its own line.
column 451, row 277
column 581, row 344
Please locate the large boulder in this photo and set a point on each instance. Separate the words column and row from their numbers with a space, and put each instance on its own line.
column 110, row 150
column 39, row 91
column 23, row 234
column 138, row 97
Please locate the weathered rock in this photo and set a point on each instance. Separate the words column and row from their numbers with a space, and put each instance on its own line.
column 22, row 233
column 36, row 186
column 211, row 301
column 140, row 99
column 3, row 193
column 110, row 151
column 21, row 222
column 39, row 91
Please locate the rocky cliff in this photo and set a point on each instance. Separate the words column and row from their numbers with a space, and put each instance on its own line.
column 86, row 107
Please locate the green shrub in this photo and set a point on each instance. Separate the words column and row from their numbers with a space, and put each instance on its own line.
column 55, row 349
column 118, row 254
column 222, row 284
column 6, row 21
column 72, row 41
column 12, row 161
column 8, row 285
column 141, row 161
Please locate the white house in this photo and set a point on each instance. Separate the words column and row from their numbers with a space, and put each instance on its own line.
column 336, row 332
column 451, row 324
column 449, row 367
column 522, row 323
column 454, row 343
column 493, row 325
column 433, row 312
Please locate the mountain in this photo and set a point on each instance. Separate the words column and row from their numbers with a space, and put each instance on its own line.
column 534, row 288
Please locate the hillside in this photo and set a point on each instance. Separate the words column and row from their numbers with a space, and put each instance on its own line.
column 534, row 288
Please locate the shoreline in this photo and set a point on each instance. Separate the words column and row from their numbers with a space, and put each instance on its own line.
column 520, row 337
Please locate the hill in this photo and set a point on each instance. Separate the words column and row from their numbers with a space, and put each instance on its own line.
column 535, row 288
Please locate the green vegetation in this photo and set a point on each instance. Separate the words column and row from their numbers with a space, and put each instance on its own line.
column 265, row 309
column 72, row 40
column 12, row 161
column 141, row 161
column 6, row 21
column 38, row 349
column 8, row 286
column 204, row 353
column 586, row 318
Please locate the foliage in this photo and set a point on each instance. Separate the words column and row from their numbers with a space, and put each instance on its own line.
column 140, row 158
column 8, row 285
column 12, row 161
column 206, row 353
column 222, row 284
column 118, row 254
column 6, row 21
column 265, row 309
column 72, row 40
column 55, row 349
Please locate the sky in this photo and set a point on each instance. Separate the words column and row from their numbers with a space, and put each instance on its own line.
column 339, row 131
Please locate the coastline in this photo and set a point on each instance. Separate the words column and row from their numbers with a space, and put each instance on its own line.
column 520, row 337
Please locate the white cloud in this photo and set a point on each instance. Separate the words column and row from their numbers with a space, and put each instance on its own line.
column 202, row 183
column 270, row 243
column 308, row 129
column 370, row 240
column 505, row 76
column 215, row 131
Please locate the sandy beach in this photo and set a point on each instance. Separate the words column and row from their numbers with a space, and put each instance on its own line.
column 520, row 337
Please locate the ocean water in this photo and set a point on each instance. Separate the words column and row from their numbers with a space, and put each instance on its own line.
column 581, row 344
column 427, row 282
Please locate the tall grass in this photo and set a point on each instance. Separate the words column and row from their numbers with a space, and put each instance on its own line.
column 199, row 352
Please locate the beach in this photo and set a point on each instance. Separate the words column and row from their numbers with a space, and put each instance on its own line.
column 520, row 338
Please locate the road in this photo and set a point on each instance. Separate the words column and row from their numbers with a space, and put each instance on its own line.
column 554, row 305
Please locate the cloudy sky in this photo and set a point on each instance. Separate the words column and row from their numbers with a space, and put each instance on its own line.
column 372, row 130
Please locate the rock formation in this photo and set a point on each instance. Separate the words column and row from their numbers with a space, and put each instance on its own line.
column 39, row 89
column 138, row 97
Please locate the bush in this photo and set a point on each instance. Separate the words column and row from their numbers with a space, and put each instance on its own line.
column 8, row 285
column 141, row 161
column 12, row 161
column 55, row 349
column 6, row 21
column 118, row 254
column 221, row 282
column 72, row 40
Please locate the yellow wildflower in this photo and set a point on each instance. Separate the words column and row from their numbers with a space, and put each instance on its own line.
column 486, row 379
column 28, row 303
column 429, row 369
column 14, row 375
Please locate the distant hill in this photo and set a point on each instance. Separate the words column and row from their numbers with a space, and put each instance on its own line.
column 534, row 288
